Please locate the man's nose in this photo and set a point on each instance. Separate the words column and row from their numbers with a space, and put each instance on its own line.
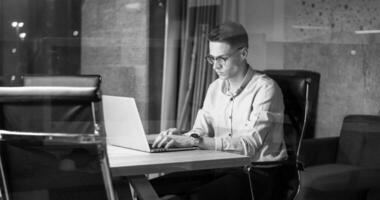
column 216, row 65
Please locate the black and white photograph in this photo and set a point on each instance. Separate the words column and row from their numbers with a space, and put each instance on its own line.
column 189, row 100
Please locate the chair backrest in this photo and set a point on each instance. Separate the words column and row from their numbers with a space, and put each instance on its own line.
column 359, row 141
column 53, row 100
column 300, row 90
column 51, row 142
column 300, row 93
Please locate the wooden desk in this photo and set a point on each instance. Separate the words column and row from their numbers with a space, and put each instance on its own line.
column 135, row 164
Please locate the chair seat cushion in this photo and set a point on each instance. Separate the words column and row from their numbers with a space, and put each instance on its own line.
column 338, row 181
column 359, row 141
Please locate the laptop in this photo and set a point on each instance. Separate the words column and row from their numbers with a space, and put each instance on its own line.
column 124, row 127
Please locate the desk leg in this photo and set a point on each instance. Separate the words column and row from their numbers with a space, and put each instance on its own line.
column 143, row 188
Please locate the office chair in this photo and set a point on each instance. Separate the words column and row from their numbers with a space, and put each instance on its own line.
column 346, row 166
column 52, row 145
column 300, row 90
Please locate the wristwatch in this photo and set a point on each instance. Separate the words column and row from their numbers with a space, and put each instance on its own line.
column 196, row 139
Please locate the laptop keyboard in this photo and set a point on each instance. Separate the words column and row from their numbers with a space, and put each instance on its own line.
column 161, row 149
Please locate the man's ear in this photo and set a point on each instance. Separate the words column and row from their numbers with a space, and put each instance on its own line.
column 244, row 53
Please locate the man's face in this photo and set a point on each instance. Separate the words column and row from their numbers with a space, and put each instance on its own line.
column 226, row 60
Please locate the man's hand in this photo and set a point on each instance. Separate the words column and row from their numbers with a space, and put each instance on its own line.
column 172, row 138
column 171, row 131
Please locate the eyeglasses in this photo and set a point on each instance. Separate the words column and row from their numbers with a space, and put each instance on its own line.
column 221, row 59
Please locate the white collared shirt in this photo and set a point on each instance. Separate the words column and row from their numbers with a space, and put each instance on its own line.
column 249, row 121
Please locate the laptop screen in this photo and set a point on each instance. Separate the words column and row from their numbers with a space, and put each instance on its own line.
column 123, row 124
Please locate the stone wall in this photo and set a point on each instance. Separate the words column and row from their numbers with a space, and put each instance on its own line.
column 115, row 45
column 322, row 36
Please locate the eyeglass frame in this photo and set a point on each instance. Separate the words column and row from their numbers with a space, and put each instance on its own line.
column 221, row 59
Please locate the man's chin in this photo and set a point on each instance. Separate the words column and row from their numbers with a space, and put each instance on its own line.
column 222, row 77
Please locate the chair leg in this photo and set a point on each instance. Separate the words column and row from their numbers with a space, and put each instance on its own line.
column 249, row 172
column 123, row 189
column 143, row 188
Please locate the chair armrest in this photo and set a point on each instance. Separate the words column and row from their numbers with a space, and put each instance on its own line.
column 319, row 151
column 266, row 164
column 76, row 138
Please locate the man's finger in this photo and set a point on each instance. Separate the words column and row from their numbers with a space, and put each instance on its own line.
column 163, row 141
column 157, row 140
column 169, row 144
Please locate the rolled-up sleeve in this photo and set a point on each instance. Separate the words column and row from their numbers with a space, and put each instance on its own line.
column 202, row 124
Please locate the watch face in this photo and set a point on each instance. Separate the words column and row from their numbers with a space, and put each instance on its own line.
column 195, row 140
column 194, row 135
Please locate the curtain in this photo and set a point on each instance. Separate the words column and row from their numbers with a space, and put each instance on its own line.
column 196, row 74
column 230, row 10
column 186, row 72
column 169, row 99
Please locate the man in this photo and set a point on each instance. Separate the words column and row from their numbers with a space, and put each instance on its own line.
column 242, row 113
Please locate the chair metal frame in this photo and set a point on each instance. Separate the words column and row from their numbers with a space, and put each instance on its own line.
column 42, row 88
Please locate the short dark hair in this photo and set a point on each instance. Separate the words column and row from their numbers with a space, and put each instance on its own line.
column 232, row 33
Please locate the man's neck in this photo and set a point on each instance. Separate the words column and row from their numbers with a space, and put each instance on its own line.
column 236, row 82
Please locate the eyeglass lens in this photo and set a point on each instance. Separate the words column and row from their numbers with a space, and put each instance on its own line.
column 220, row 59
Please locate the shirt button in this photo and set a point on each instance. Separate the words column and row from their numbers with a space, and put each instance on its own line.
column 230, row 134
column 230, row 116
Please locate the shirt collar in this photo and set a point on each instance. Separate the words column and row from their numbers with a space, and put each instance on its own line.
column 225, row 84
